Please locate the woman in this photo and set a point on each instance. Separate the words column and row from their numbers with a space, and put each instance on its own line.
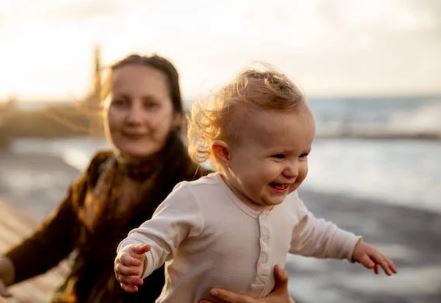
column 117, row 192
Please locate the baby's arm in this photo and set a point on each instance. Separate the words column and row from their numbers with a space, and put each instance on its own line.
column 147, row 247
column 323, row 239
column 371, row 258
column 129, row 266
column 316, row 237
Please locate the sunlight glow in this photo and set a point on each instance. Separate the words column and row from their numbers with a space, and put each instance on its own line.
column 329, row 47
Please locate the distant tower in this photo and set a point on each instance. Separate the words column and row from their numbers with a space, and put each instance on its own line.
column 7, row 107
column 93, row 100
column 97, row 74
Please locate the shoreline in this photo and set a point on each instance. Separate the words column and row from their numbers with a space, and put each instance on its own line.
column 33, row 182
column 407, row 235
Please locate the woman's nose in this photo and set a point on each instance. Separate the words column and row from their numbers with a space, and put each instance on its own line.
column 134, row 115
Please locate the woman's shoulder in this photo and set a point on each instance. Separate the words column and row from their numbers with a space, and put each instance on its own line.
column 100, row 157
column 96, row 164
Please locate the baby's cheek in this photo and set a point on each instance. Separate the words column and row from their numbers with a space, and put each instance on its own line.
column 293, row 187
column 299, row 181
column 302, row 174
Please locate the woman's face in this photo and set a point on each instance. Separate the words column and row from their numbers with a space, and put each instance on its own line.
column 140, row 112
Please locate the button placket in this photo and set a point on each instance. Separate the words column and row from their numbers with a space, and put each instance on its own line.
column 263, row 266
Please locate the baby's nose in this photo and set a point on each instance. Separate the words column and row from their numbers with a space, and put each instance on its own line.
column 291, row 170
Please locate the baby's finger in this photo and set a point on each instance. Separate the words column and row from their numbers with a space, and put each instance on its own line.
column 129, row 260
column 389, row 267
column 367, row 262
column 130, row 280
column 392, row 266
column 141, row 249
column 129, row 288
column 385, row 263
column 128, row 271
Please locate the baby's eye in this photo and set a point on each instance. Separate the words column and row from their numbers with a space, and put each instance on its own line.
column 304, row 155
column 278, row 156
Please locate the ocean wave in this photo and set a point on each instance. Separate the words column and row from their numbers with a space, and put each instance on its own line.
column 379, row 118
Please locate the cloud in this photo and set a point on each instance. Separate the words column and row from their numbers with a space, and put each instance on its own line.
column 82, row 10
column 330, row 46
column 391, row 15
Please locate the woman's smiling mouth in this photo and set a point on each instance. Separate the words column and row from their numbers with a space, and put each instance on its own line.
column 133, row 135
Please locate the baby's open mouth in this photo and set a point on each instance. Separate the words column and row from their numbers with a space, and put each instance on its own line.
column 279, row 186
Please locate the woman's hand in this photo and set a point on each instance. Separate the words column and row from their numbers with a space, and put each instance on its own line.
column 4, row 293
column 7, row 273
column 279, row 294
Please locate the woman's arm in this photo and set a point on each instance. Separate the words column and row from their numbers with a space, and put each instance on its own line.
column 279, row 294
column 51, row 242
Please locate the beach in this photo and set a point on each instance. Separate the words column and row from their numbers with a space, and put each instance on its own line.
column 410, row 237
column 22, row 207
column 34, row 183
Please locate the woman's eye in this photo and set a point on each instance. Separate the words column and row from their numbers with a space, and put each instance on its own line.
column 151, row 105
column 118, row 102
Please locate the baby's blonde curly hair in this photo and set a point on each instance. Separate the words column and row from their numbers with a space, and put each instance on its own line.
column 215, row 120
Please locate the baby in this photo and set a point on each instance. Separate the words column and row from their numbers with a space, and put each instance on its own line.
column 230, row 228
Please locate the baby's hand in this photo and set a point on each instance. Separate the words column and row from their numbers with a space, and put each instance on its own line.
column 129, row 265
column 370, row 258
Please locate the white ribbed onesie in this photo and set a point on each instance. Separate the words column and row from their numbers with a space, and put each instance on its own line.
column 209, row 238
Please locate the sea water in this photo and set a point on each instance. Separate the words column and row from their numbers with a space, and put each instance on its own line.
column 402, row 172
column 387, row 149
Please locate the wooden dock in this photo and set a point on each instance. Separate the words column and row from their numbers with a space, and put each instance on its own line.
column 14, row 225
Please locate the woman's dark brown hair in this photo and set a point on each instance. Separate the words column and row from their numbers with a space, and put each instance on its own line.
column 157, row 62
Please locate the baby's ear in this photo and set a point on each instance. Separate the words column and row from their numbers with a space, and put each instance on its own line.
column 221, row 153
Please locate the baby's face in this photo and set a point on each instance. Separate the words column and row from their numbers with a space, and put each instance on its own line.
column 270, row 157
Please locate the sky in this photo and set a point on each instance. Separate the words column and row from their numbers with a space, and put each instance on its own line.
column 327, row 47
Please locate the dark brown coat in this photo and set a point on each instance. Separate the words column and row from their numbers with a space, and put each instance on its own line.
column 64, row 233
